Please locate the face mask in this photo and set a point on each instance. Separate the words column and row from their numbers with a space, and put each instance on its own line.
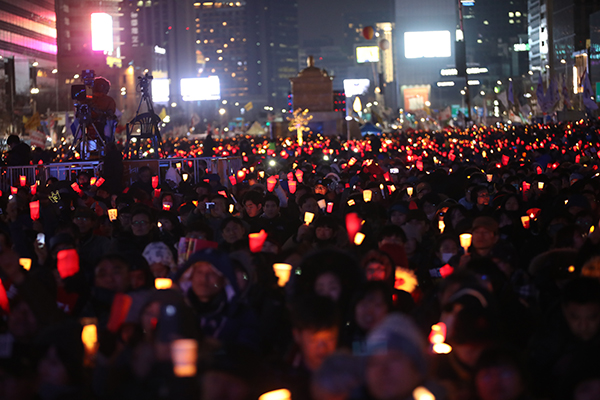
column 447, row 256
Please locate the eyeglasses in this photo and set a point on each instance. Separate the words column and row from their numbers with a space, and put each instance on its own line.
column 141, row 222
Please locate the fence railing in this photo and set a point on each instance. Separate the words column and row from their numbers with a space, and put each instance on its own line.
column 196, row 168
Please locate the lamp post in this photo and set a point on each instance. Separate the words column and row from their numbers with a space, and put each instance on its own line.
column 222, row 112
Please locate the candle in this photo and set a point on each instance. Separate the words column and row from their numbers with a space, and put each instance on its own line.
column 329, row 208
column 154, row 182
column 541, row 185
column 465, row 241
column 292, row 186
column 257, row 240
column 358, row 238
column 489, row 177
column 184, row 353
column 23, row 180
column 409, row 191
column 422, row 393
column 280, row 394
column 25, row 263
column 4, row 299
column 93, row 180
column 89, row 337
column 299, row 175
column 99, row 182
column 308, row 217
column 163, row 283
column 353, row 224
column 67, row 263
column 525, row 220
column 271, row 182
column 282, row 272
column 112, row 214
column 118, row 311
column 322, row 204
column 438, row 333
column 441, row 226
column 34, row 210
column 367, row 195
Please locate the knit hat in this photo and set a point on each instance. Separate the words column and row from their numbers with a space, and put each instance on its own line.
column 399, row 332
column 158, row 252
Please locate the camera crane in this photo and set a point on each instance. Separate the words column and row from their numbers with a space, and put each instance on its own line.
column 144, row 126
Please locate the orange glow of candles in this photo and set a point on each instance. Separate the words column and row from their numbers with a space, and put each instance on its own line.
column 118, row 311
column 282, row 272
column 166, row 205
column 25, row 263
column 525, row 220
column 308, row 217
column 351, row 202
column 231, row 208
column 489, row 177
column 163, row 283
column 154, row 182
column 67, row 263
column 409, row 191
column 329, row 208
column 353, row 225
column 358, row 238
column 89, row 338
column 233, row 180
column 157, row 193
column 112, row 214
column 241, row 175
column 541, row 185
column 441, row 226
column 465, row 241
column 100, row 181
column 422, row 393
column 446, row 270
column 261, row 174
column 367, row 195
column 271, row 182
column 13, row 190
column 23, row 180
column 33, row 189
column 442, row 348
column 280, row 394
column 322, row 204
column 392, row 188
column 93, row 180
column 299, row 175
column 76, row 187
column 4, row 299
column 592, row 229
column 222, row 193
column 185, row 176
column 257, row 240
column 178, row 166
column 184, row 354
column 34, row 210
column 438, row 333
column 292, row 186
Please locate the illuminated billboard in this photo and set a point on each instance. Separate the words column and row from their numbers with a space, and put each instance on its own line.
column 160, row 90
column 365, row 54
column 430, row 44
column 356, row 87
column 196, row 89
column 415, row 97
column 102, row 32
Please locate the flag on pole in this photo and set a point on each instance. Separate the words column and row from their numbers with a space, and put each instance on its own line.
column 511, row 96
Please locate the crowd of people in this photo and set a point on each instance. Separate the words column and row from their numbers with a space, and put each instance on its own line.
column 456, row 265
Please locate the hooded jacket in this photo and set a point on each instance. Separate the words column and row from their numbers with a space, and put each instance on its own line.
column 224, row 317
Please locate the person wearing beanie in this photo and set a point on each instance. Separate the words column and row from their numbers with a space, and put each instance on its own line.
column 396, row 360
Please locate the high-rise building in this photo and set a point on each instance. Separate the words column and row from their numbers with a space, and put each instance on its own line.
column 538, row 34
column 88, row 38
column 28, row 49
column 158, row 37
column 252, row 46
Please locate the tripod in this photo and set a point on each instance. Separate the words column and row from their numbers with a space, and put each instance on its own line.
column 144, row 126
column 81, row 140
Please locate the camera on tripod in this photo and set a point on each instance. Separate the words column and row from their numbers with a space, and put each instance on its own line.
column 144, row 82
column 80, row 93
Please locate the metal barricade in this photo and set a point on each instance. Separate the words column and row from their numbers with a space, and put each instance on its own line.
column 196, row 168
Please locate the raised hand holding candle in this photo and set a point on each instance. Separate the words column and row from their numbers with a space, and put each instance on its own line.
column 282, row 272
column 184, row 354
column 308, row 217
column 465, row 241
column 67, row 263
column 257, row 240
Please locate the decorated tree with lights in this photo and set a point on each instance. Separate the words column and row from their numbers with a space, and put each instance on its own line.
column 299, row 123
